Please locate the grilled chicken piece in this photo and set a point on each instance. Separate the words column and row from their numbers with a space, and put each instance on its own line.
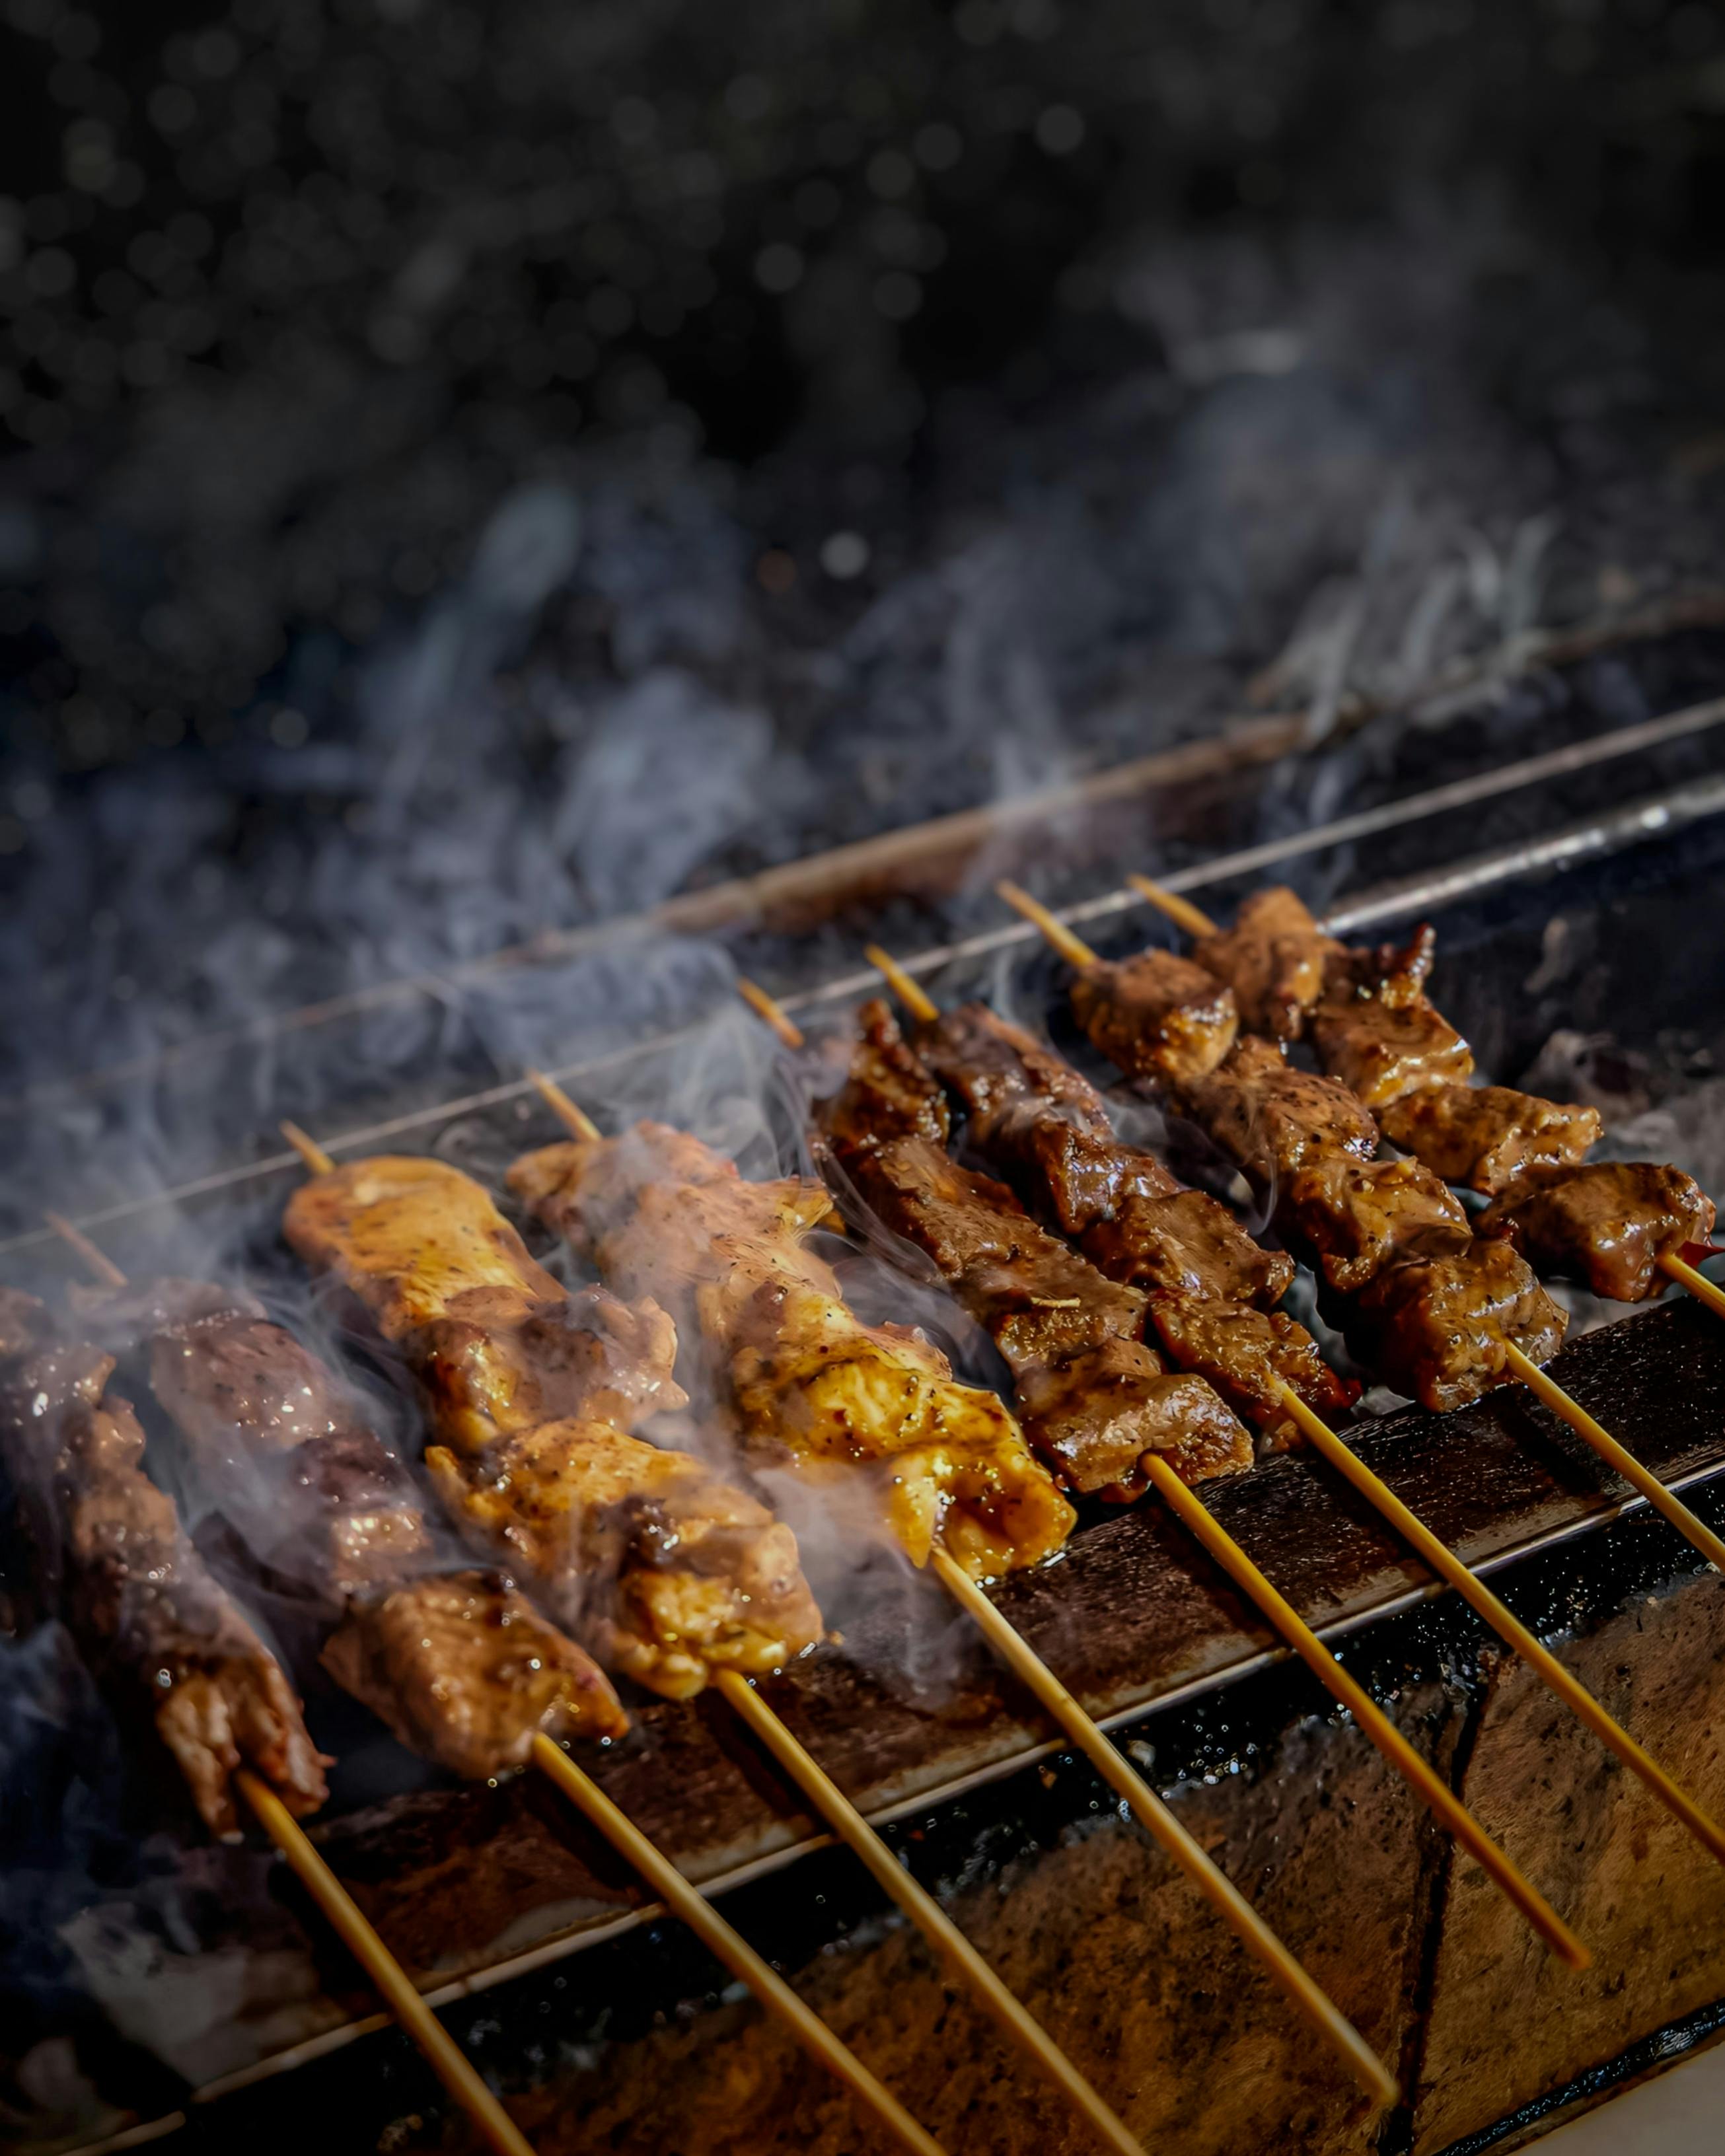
column 1358, row 1216
column 671, row 1573
column 1436, row 1327
column 1092, row 1399
column 462, row 1670
column 888, row 1092
column 1268, row 1117
column 1158, row 1016
column 807, row 1380
column 499, row 1343
column 1188, row 1244
column 140, row 1601
column 1383, row 1051
column 1038, row 1123
column 1609, row 1224
column 1248, row 1355
column 1274, row 958
column 1489, row 1137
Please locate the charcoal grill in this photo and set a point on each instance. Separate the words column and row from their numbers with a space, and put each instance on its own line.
column 1558, row 826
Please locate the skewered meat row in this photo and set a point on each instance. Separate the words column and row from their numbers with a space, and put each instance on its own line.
column 456, row 1663
column 667, row 1570
column 1092, row 1398
column 143, row 1606
column 808, row 1383
column 1609, row 1224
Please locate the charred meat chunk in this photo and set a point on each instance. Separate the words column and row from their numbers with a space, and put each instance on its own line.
column 1489, row 1137
column 1157, row 1016
column 1358, row 1216
column 144, row 1608
column 1436, row 1327
column 1610, row 1225
column 888, row 1092
column 1249, row 1355
column 461, row 1669
column 1382, row 1050
column 1267, row 1116
column 1188, row 1244
column 669, row 1571
column 1274, row 958
column 1098, row 1413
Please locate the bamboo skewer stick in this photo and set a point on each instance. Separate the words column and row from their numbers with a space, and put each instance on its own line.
column 728, row 1945
column 766, row 1007
column 1480, row 1597
column 1417, row 1772
column 1545, row 1389
column 389, row 1979
column 1081, row 1729
column 1447, row 1564
column 720, row 1938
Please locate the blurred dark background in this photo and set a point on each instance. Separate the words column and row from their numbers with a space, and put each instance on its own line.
column 469, row 469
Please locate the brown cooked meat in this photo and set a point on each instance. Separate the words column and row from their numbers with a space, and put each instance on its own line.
column 1274, row 958
column 1435, row 1328
column 1158, row 1016
column 670, row 1572
column 1609, row 1224
column 1097, row 1415
column 149, row 1617
column 1383, row 1051
column 888, row 1092
column 1248, row 1355
column 461, row 1669
column 1489, row 1137
column 1188, row 1244
column 1356, row 1216
column 1267, row 1116
column 1394, row 973
column 1039, row 1123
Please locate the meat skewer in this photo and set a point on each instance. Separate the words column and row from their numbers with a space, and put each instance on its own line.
column 859, row 1127
column 1443, row 1561
column 1548, row 1204
column 118, row 1523
column 551, row 1171
column 407, row 1281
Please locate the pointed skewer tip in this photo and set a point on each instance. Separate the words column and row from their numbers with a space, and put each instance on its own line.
column 1180, row 911
column 573, row 1117
column 307, row 1147
column 915, row 998
column 1071, row 946
column 771, row 1009
column 99, row 1262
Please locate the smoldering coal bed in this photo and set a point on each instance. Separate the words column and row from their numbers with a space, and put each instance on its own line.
column 172, row 1983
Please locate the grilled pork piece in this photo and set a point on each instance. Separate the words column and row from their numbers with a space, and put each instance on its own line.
column 670, row 1571
column 1248, row 1355
column 135, row 1594
column 1268, row 1117
column 807, row 1380
column 1274, row 958
column 889, row 1092
column 523, row 1352
column 1158, row 1016
column 1393, row 973
column 1188, row 1244
column 1358, row 1216
column 1489, row 1137
column 1039, row 1123
column 499, row 1343
column 462, row 1670
column 1609, row 1224
column 1092, row 1399
column 1381, row 1051
column 1437, row 1326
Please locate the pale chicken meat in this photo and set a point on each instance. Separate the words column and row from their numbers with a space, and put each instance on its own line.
column 462, row 1670
column 669, row 1571
column 151, row 1620
column 1158, row 1016
column 498, row 1341
column 1274, row 959
column 1268, row 1116
column 1611, row 1224
column 1489, row 1137
column 807, row 1381
column 1355, row 1216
